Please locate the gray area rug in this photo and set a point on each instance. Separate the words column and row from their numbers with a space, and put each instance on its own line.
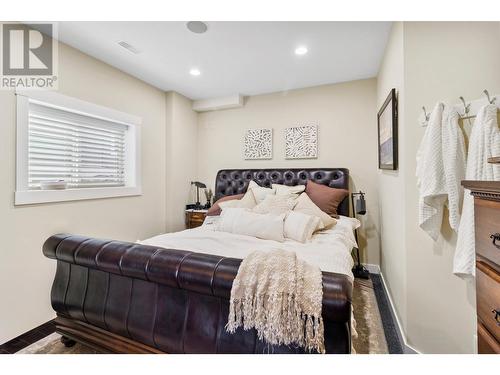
column 371, row 337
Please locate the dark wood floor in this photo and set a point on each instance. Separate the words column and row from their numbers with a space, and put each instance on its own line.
column 28, row 338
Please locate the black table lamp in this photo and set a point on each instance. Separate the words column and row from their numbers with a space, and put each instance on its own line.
column 199, row 185
column 360, row 209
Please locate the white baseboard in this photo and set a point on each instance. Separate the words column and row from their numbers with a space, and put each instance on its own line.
column 407, row 348
column 372, row 268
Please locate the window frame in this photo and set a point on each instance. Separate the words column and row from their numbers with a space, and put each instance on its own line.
column 23, row 195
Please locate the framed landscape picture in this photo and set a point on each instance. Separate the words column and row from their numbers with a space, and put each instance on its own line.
column 387, row 119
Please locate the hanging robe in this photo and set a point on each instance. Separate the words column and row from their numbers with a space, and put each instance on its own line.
column 454, row 164
column 430, row 175
column 484, row 142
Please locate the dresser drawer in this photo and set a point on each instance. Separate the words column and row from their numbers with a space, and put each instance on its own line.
column 487, row 218
column 488, row 298
column 486, row 344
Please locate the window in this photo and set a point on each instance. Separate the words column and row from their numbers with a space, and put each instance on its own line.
column 93, row 150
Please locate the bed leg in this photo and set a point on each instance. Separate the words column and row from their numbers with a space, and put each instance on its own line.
column 67, row 341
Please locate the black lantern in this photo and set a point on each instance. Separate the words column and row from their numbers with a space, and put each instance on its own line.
column 360, row 209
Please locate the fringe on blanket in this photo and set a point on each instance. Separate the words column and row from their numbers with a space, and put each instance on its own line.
column 281, row 297
column 268, row 314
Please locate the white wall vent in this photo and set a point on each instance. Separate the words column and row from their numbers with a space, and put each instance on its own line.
column 233, row 101
column 129, row 47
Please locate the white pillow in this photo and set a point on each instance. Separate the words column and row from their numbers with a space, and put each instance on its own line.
column 275, row 204
column 300, row 227
column 210, row 222
column 242, row 221
column 350, row 224
column 260, row 192
column 285, row 190
column 306, row 206
column 247, row 201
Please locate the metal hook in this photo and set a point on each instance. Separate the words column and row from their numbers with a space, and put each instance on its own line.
column 491, row 101
column 466, row 107
column 427, row 116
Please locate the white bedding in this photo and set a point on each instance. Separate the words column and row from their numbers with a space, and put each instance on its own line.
column 330, row 249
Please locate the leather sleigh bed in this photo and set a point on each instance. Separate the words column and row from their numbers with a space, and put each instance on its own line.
column 122, row 297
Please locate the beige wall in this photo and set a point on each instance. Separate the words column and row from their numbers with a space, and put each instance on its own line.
column 442, row 61
column 25, row 274
column 347, row 138
column 182, row 133
column 391, row 183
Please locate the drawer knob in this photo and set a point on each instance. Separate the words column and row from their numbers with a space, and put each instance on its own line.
column 495, row 237
column 497, row 314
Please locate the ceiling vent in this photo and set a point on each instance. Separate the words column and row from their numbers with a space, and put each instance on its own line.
column 129, row 47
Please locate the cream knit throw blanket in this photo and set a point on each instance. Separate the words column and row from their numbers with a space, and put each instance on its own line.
column 281, row 297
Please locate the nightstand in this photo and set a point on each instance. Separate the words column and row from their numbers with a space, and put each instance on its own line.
column 194, row 218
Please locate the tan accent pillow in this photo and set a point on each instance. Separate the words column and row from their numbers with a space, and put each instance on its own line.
column 306, row 206
column 260, row 192
column 300, row 227
column 215, row 210
column 326, row 198
column 248, row 201
column 285, row 189
column 275, row 204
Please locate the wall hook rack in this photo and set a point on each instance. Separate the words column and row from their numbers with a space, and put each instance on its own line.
column 491, row 101
column 466, row 107
column 426, row 115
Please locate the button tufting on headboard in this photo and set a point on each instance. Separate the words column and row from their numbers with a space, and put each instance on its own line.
column 235, row 181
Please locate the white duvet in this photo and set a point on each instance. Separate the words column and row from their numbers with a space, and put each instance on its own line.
column 330, row 249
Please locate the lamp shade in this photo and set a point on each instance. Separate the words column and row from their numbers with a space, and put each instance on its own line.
column 198, row 184
column 361, row 205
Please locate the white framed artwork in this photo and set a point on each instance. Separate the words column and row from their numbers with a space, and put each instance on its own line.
column 258, row 144
column 301, row 142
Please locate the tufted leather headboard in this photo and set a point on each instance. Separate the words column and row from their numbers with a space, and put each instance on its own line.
column 235, row 181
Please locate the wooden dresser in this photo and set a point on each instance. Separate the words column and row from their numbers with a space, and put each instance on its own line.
column 487, row 227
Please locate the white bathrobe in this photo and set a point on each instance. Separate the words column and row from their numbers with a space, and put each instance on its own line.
column 484, row 142
column 430, row 175
column 440, row 169
column 454, row 161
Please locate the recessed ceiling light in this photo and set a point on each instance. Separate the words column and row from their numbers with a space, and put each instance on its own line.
column 195, row 72
column 197, row 27
column 302, row 50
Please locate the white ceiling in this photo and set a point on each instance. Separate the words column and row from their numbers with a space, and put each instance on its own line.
column 235, row 57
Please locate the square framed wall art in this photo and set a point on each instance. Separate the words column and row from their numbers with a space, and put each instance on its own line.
column 258, row 144
column 301, row 142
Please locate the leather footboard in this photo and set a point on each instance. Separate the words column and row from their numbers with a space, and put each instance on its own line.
column 150, row 299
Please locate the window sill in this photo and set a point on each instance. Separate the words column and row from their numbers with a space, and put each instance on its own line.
column 48, row 196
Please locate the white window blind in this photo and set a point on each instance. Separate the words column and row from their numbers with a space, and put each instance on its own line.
column 94, row 149
column 84, row 151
